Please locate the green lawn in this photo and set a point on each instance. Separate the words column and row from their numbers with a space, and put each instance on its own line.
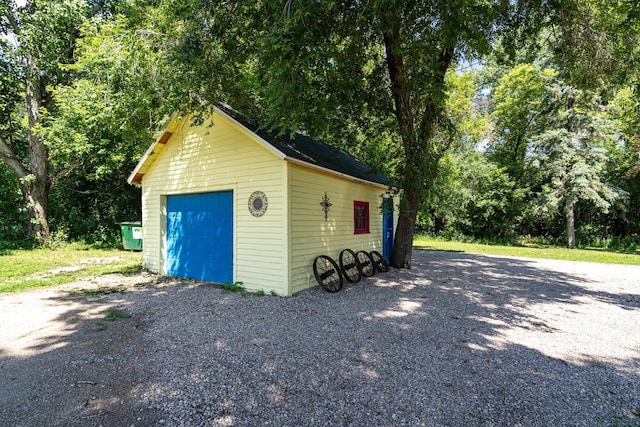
column 546, row 252
column 26, row 269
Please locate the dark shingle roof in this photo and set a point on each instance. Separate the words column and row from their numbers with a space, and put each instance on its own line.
column 303, row 148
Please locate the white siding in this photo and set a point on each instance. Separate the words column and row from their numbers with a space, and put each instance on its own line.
column 217, row 158
column 312, row 235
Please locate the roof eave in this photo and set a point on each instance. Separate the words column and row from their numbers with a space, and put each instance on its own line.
column 335, row 173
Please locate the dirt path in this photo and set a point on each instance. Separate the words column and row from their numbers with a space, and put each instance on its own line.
column 458, row 340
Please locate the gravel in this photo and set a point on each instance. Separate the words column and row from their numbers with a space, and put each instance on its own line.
column 460, row 339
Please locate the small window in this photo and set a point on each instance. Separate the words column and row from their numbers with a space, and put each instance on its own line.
column 360, row 217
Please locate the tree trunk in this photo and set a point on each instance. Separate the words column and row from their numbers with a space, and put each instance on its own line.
column 35, row 179
column 403, row 241
column 35, row 186
column 416, row 126
column 36, row 196
column 571, row 230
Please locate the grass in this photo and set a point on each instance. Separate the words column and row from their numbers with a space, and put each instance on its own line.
column 529, row 251
column 235, row 287
column 113, row 314
column 21, row 270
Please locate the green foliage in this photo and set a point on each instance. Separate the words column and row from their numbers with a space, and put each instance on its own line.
column 124, row 89
column 373, row 78
column 12, row 218
column 494, row 195
column 234, row 287
column 573, row 150
column 42, row 24
column 473, row 196
column 101, row 104
column 598, row 41
column 89, row 210
column 469, row 118
column 625, row 160
column 541, row 154
column 448, row 199
column 518, row 102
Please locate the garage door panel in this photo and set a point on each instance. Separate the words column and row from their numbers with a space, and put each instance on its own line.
column 200, row 236
column 173, row 221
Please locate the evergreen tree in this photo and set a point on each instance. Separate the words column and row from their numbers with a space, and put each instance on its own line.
column 571, row 152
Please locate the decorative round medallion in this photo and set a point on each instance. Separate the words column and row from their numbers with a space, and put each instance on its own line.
column 257, row 203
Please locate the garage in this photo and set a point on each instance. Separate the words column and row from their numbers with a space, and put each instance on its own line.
column 200, row 236
column 228, row 202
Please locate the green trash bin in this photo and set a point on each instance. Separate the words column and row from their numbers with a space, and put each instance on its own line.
column 131, row 235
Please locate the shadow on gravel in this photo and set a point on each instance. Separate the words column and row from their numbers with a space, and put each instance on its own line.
column 78, row 367
column 459, row 340
column 527, row 345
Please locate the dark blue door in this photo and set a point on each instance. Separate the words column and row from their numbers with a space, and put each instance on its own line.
column 387, row 227
column 200, row 236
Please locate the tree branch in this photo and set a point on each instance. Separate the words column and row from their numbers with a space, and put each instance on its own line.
column 64, row 172
column 10, row 159
column 75, row 32
column 15, row 26
column 55, row 177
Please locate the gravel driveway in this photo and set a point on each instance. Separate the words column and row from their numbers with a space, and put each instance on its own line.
column 459, row 340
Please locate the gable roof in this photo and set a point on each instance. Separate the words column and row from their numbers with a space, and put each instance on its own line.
column 300, row 150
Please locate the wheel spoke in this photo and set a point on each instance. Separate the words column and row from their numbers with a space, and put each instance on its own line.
column 327, row 273
column 379, row 262
column 349, row 265
column 366, row 263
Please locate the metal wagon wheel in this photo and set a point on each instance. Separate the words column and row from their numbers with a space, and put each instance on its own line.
column 327, row 273
column 379, row 262
column 349, row 265
column 366, row 263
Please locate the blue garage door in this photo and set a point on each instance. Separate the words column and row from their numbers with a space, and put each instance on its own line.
column 200, row 236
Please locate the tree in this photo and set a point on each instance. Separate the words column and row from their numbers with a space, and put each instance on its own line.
column 518, row 105
column 572, row 152
column 102, row 120
column 449, row 198
column 597, row 44
column 625, row 109
column 38, row 38
column 351, row 69
column 343, row 70
column 97, row 103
